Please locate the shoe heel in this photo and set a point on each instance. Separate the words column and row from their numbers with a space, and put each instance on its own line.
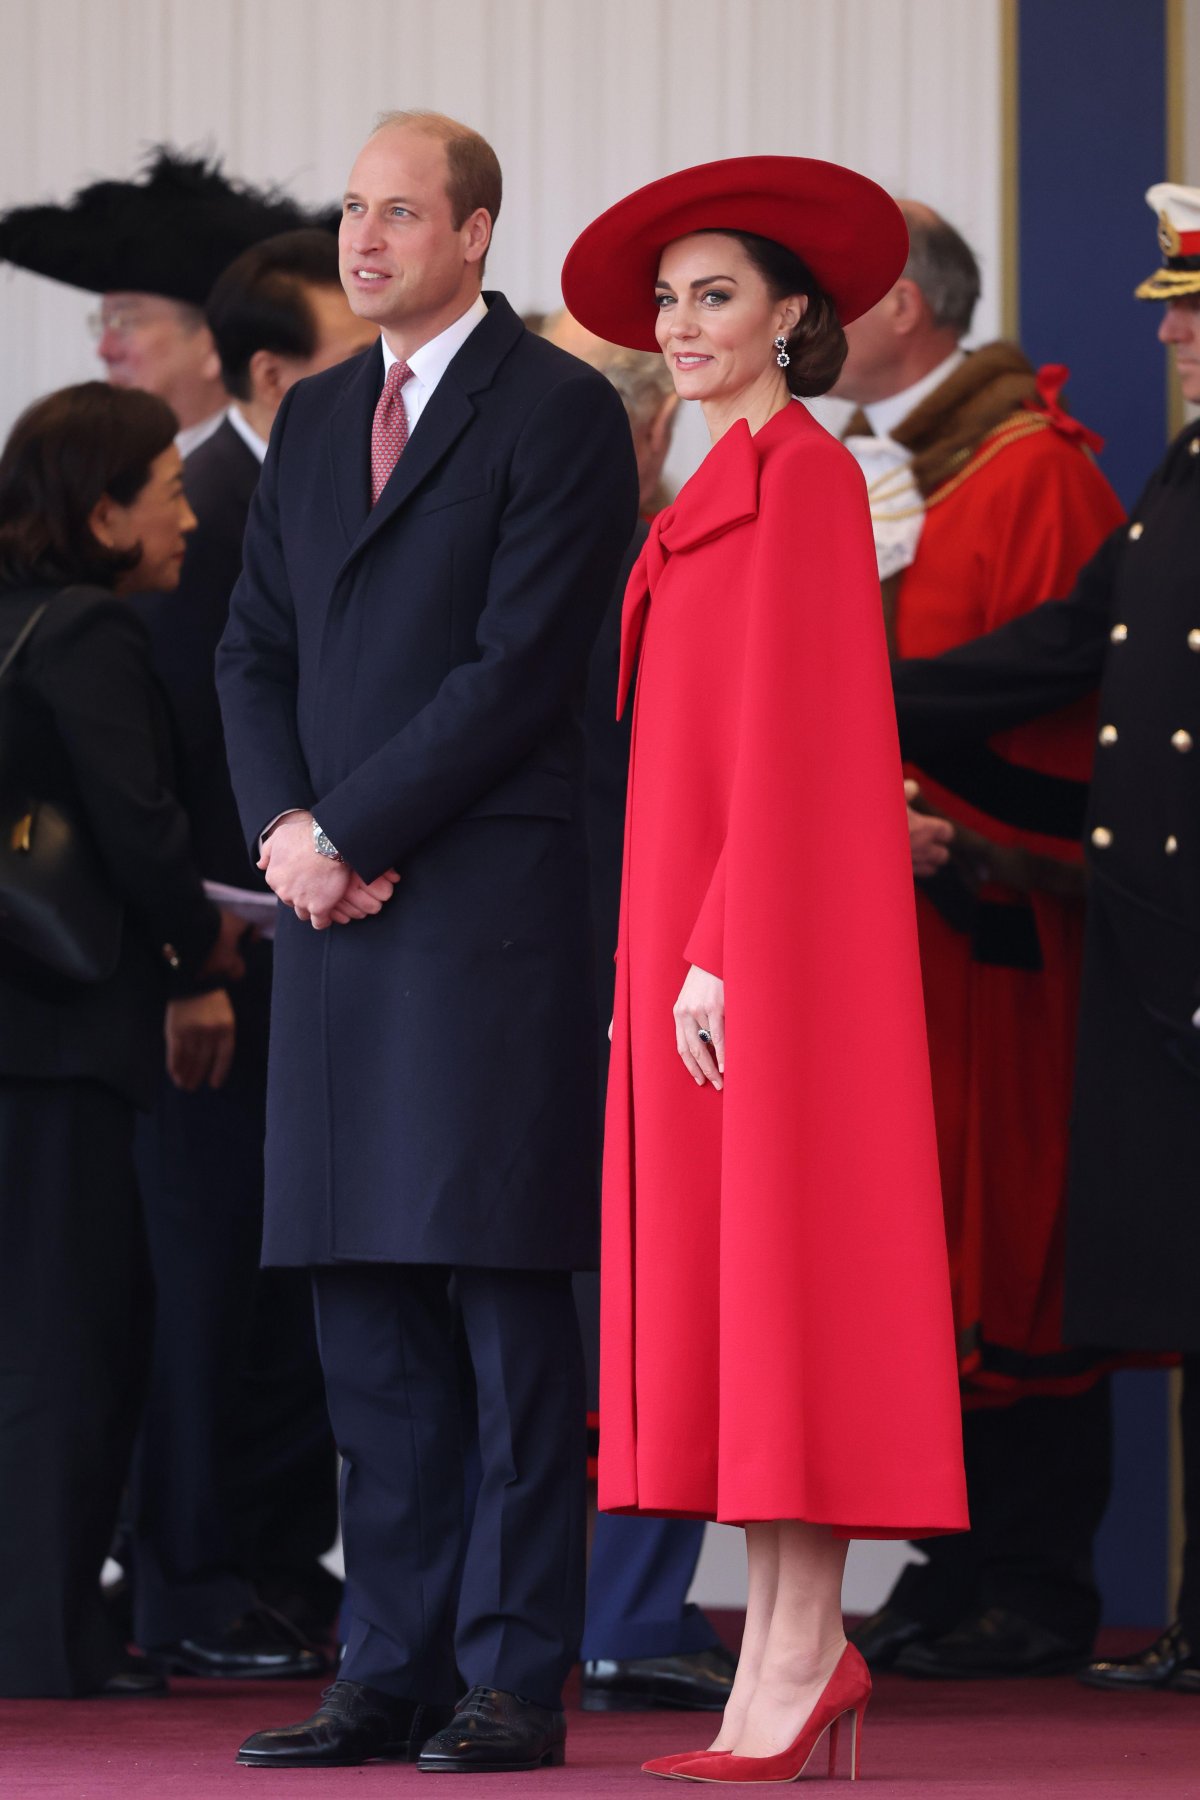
column 555, row 1757
column 856, row 1732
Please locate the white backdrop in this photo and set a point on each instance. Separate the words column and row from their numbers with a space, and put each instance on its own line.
column 583, row 100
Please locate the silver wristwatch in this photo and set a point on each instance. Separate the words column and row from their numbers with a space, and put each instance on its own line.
column 323, row 847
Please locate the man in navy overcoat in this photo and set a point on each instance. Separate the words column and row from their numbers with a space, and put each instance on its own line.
column 402, row 681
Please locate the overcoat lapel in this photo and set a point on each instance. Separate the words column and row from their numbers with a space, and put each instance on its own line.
column 442, row 423
column 348, row 441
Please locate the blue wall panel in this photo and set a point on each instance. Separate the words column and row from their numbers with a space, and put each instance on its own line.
column 1092, row 137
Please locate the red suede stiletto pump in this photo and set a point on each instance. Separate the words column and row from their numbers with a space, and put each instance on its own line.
column 845, row 1695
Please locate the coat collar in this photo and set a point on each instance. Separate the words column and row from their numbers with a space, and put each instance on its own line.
column 228, row 455
column 449, row 412
column 722, row 494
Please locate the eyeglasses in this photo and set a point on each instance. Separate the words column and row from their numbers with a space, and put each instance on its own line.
column 121, row 319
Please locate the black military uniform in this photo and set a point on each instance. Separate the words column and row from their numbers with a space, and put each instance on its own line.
column 1131, row 626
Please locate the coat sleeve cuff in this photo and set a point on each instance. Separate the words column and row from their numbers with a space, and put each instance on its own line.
column 705, row 948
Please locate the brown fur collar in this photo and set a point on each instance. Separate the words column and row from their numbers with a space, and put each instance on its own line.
column 992, row 384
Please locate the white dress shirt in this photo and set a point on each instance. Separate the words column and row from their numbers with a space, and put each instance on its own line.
column 247, row 433
column 190, row 437
column 885, row 415
column 430, row 362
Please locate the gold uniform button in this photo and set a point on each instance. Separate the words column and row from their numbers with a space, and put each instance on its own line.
column 1102, row 837
column 1194, row 635
column 1119, row 633
column 1136, row 530
column 1194, row 447
column 1181, row 740
column 1171, row 845
column 1108, row 734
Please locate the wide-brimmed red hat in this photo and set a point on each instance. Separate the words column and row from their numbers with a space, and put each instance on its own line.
column 846, row 229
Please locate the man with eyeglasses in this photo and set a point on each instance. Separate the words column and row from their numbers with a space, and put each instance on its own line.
column 232, row 1494
column 152, row 249
column 163, row 345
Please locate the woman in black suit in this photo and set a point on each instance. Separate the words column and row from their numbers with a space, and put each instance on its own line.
column 91, row 509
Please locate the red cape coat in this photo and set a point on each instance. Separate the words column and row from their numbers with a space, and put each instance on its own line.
column 776, row 1338
column 1002, row 1040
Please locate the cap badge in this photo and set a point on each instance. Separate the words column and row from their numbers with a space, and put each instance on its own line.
column 1168, row 236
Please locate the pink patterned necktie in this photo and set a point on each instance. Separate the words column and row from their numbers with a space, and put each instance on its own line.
column 389, row 432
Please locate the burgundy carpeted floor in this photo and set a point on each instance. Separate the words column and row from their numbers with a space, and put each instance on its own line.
column 1052, row 1740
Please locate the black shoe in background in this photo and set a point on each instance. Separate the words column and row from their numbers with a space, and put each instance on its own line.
column 260, row 1646
column 310, row 1599
column 1172, row 1661
column 134, row 1679
column 699, row 1681
column 882, row 1635
column 496, row 1733
column 354, row 1724
column 994, row 1645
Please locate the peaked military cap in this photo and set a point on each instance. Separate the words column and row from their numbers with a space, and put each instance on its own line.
column 1178, row 210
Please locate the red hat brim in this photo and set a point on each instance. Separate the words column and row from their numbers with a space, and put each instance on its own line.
column 848, row 231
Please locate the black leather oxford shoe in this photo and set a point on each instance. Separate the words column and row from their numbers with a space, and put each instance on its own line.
column 260, row 1646
column 494, row 1733
column 698, row 1682
column 992, row 1645
column 1172, row 1662
column 352, row 1725
column 881, row 1636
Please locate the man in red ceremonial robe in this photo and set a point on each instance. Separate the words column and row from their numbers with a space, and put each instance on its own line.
column 986, row 500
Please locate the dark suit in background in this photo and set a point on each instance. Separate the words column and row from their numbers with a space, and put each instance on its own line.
column 235, row 1491
column 640, row 1569
column 413, row 674
column 76, row 1059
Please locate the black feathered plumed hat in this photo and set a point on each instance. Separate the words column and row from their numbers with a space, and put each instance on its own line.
column 172, row 232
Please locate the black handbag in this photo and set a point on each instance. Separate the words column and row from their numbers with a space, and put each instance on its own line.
column 57, row 903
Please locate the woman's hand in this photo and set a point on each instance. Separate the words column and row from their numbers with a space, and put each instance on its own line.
column 701, row 1007
column 928, row 836
column 200, row 1040
column 225, row 957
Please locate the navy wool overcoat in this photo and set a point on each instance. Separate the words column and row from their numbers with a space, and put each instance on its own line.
column 413, row 674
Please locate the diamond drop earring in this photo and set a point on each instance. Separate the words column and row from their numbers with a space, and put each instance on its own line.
column 781, row 351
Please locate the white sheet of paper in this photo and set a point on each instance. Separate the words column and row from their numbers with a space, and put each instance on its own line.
column 256, row 908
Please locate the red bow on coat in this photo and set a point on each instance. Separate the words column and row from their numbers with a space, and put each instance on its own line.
column 1052, row 378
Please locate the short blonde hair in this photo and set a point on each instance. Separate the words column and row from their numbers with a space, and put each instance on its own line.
column 643, row 381
column 641, row 377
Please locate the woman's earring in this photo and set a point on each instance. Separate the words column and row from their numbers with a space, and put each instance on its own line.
column 781, row 351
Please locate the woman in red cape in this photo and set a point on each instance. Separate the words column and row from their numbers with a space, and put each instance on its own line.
column 777, row 1348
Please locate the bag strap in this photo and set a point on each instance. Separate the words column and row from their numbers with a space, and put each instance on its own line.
column 23, row 636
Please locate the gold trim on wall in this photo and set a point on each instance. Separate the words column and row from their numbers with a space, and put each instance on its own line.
column 1181, row 31
column 1176, row 35
column 1010, row 188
